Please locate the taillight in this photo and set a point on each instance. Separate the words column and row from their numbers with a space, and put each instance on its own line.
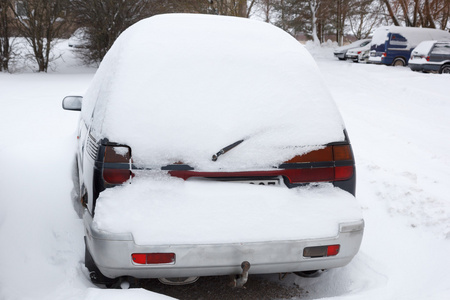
column 332, row 163
column 321, row 251
column 153, row 258
column 383, row 54
column 117, row 154
column 359, row 52
column 116, row 176
column 117, row 164
column 428, row 58
column 325, row 154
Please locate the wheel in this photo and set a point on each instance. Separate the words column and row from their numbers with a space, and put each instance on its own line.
column 399, row 62
column 445, row 69
column 341, row 58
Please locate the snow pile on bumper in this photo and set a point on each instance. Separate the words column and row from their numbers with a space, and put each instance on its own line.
column 160, row 209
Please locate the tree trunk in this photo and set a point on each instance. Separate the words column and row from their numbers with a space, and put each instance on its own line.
column 429, row 18
column 391, row 13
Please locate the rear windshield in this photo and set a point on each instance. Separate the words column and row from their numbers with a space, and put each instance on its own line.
column 441, row 48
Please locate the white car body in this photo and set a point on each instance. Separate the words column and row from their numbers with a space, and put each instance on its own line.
column 340, row 52
column 167, row 99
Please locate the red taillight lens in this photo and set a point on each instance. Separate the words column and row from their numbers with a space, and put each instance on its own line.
column 321, row 251
column 343, row 173
column 331, row 154
column 117, row 163
column 139, row 258
column 325, row 154
column 310, row 175
column 117, row 154
column 428, row 58
column 333, row 250
column 359, row 52
column 116, row 176
column 153, row 258
column 342, row 152
column 383, row 54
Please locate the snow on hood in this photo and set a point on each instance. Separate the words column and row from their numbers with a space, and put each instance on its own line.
column 181, row 87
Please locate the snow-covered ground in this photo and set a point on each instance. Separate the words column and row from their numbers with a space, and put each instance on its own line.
column 398, row 122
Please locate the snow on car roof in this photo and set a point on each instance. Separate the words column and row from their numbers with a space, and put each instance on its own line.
column 181, row 87
column 413, row 35
column 424, row 47
column 352, row 45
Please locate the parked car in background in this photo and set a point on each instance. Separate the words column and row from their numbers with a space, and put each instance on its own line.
column 431, row 56
column 79, row 38
column 340, row 52
column 210, row 145
column 360, row 54
column 392, row 45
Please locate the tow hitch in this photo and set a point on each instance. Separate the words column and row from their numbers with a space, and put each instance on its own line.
column 240, row 280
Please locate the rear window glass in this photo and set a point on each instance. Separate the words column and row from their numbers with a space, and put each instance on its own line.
column 441, row 49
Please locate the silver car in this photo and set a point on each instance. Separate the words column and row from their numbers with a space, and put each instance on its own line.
column 341, row 52
column 209, row 145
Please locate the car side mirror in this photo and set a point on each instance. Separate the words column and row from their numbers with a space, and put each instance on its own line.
column 72, row 103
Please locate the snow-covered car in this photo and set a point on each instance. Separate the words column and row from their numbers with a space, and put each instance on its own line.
column 209, row 145
column 340, row 52
column 393, row 45
column 360, row 54
column 431, row 56
column 79, row 38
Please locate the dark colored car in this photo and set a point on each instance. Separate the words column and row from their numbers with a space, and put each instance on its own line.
column 431, row 56
column 209, row 145
column 393, row 45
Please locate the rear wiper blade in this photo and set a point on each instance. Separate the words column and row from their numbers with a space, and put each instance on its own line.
column 225, row 150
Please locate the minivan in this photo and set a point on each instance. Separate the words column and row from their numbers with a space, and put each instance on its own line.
column 210, row 145
column 392, row 45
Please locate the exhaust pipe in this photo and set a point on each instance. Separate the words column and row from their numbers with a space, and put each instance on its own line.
column 242, row 279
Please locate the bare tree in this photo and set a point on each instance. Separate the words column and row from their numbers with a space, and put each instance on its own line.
column 238, row 8
column 419, row 13
column 365, row 16
column 5, row 34
column 40, row 22
column 105, row 20
column 266, row 7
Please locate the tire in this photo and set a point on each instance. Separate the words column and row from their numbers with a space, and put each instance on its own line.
column 399, row 62
column 341, row 58
column 445, row 69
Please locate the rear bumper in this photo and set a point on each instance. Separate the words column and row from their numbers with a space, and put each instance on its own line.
column 426, row 67
column 415, row 67
column 340, row 55
column 375, row 59
column 112, row 254
column 352, row 56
